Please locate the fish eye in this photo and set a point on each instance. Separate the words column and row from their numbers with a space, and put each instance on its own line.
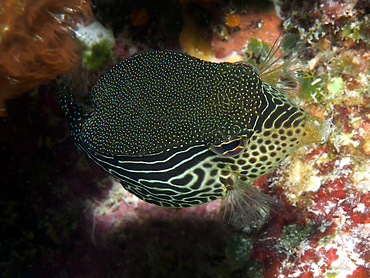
column 230, row 146
column 249, row 66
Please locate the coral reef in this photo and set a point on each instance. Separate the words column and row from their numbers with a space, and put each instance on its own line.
column 328, row 185
column 35, row 44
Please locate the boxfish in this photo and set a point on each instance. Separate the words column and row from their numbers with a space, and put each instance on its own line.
column 178, row 131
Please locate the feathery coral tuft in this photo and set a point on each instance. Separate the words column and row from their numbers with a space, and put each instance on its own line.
column 35, row 44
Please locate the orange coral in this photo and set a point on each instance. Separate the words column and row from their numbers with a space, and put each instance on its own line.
column 232, row 19
column 35, row 44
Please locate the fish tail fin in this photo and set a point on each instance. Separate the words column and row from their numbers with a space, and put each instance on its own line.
column 248, row 207
column 73, row 86
column 73, row 96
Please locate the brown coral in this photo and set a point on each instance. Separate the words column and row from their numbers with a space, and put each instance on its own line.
column 34, row 43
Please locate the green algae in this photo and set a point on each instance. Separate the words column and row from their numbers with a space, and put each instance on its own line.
column 239, row 250
column 98, row 55
column 256, row 50
column 294, row 234
column 312, row 87
column 358, row 30
column 336, row 85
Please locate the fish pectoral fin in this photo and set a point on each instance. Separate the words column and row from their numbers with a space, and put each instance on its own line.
column 247, row 206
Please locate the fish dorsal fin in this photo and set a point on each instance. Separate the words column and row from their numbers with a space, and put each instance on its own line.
column 281, row 64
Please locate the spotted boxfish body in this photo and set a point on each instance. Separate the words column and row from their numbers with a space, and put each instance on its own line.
column 178, row 131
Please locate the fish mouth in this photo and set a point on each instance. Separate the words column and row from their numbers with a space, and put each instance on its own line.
column 317, row 130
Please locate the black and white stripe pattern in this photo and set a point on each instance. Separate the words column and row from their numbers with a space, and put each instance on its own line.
column 175, row 177
column 278, row 112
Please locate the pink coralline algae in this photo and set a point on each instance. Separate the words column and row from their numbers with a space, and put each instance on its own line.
column 326, row 188
column 254, row 23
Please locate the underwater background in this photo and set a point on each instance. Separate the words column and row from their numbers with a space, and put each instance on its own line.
column 63, row 216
